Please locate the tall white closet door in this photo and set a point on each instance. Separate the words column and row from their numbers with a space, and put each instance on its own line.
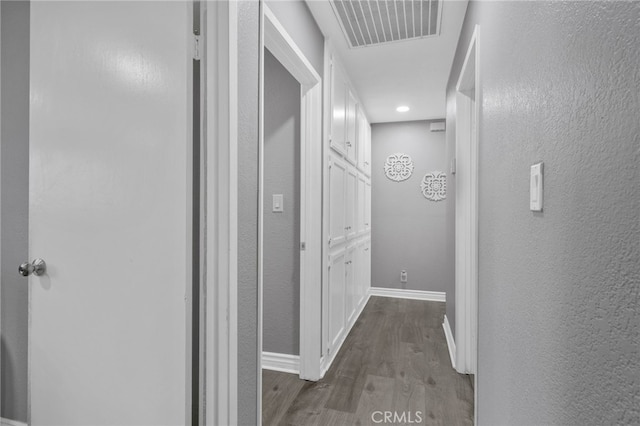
column 109, row 177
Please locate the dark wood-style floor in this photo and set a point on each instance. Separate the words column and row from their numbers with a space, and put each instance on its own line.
column 395, row 359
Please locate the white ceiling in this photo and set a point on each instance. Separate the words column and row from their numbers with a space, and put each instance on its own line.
column 410, row 72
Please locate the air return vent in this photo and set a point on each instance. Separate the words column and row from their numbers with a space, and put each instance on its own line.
column 371, row 22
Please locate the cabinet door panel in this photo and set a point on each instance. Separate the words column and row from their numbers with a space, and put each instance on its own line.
column 351, row 142
column 367, row 206
column 337, row 183
column 367, row 149
column 361, row 219
column 366, row 260
column 361, row 136
column 336, row 299
column 338, row 110
column 351, row 202
column 351, row 282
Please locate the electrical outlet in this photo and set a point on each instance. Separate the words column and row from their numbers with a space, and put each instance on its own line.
column 403, row 276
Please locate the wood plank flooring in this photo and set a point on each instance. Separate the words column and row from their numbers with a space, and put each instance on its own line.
column 395, row 359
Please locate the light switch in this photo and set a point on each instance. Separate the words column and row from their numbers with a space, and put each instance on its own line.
column 535, row 191
column 278, row 203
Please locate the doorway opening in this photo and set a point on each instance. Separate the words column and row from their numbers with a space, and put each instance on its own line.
column 280, row 51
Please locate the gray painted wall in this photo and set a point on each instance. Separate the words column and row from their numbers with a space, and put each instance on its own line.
column 295, row 17
column 409, row 231
column 281, row 236
column 559, row 324
column 15, row 206
column 248, row 89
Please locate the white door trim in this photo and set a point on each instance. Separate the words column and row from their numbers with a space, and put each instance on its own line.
column 285, row 50
column 467, row 135
column 221, row 264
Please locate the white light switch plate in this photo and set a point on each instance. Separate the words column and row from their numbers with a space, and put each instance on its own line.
column 535, row 191
column 278, row 203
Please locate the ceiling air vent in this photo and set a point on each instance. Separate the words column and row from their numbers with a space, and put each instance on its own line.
column 371, row 22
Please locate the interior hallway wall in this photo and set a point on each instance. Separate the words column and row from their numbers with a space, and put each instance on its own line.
column 281, row 236
column 15, row 206
column 559, row 327
column 409, row 232
column 249, row 52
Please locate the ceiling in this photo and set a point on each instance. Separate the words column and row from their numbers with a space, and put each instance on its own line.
column 408, row 72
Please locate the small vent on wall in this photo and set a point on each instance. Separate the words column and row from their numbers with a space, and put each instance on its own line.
column 371, row 22
column 438, row 126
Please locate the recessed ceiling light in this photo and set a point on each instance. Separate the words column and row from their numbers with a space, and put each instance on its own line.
column 402, row 108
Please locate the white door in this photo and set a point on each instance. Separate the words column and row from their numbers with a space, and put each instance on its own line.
column 109, row 194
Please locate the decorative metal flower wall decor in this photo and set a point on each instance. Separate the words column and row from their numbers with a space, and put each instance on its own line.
column 398, row 167
column 434, row 186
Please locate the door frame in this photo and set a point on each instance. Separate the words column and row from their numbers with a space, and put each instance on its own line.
column 220, row 399
column 275, row 38
column 468, row 103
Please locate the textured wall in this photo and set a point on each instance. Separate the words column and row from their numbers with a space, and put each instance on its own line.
column 297, row 20
column 248, row 81
column 281, row 235
column 15, row 206
column 409, row 230
column 558, row 290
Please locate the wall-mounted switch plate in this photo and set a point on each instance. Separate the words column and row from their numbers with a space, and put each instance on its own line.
column 278, row 203
column 536, row 188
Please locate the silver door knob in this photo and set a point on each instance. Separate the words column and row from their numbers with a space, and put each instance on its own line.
column 37, row 268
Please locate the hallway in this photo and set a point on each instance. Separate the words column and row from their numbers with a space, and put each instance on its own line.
column 395, row 359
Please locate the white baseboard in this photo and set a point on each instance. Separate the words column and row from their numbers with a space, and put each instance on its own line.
column 451, row 343
column 7, row 422
column 433, row 296
column 281, row 362
column 326, row 361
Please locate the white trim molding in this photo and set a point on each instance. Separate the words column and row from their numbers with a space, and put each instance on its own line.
column 221, row 328
column 284, row 363
column 468, row 101
column 451, row 343
column 401, row 293
column 8, row 422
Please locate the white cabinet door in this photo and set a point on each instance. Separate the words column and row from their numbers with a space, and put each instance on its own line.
column 351, row 202
column 337, row 298
column 352, row 133
column 361, row 136
column 366, row 260
column 337, row 208
column 108, row 212
column 351, row 283
column 361, row 219
column 367, row 206
column 361, row 288
column 367, row 148
column 338, row 110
